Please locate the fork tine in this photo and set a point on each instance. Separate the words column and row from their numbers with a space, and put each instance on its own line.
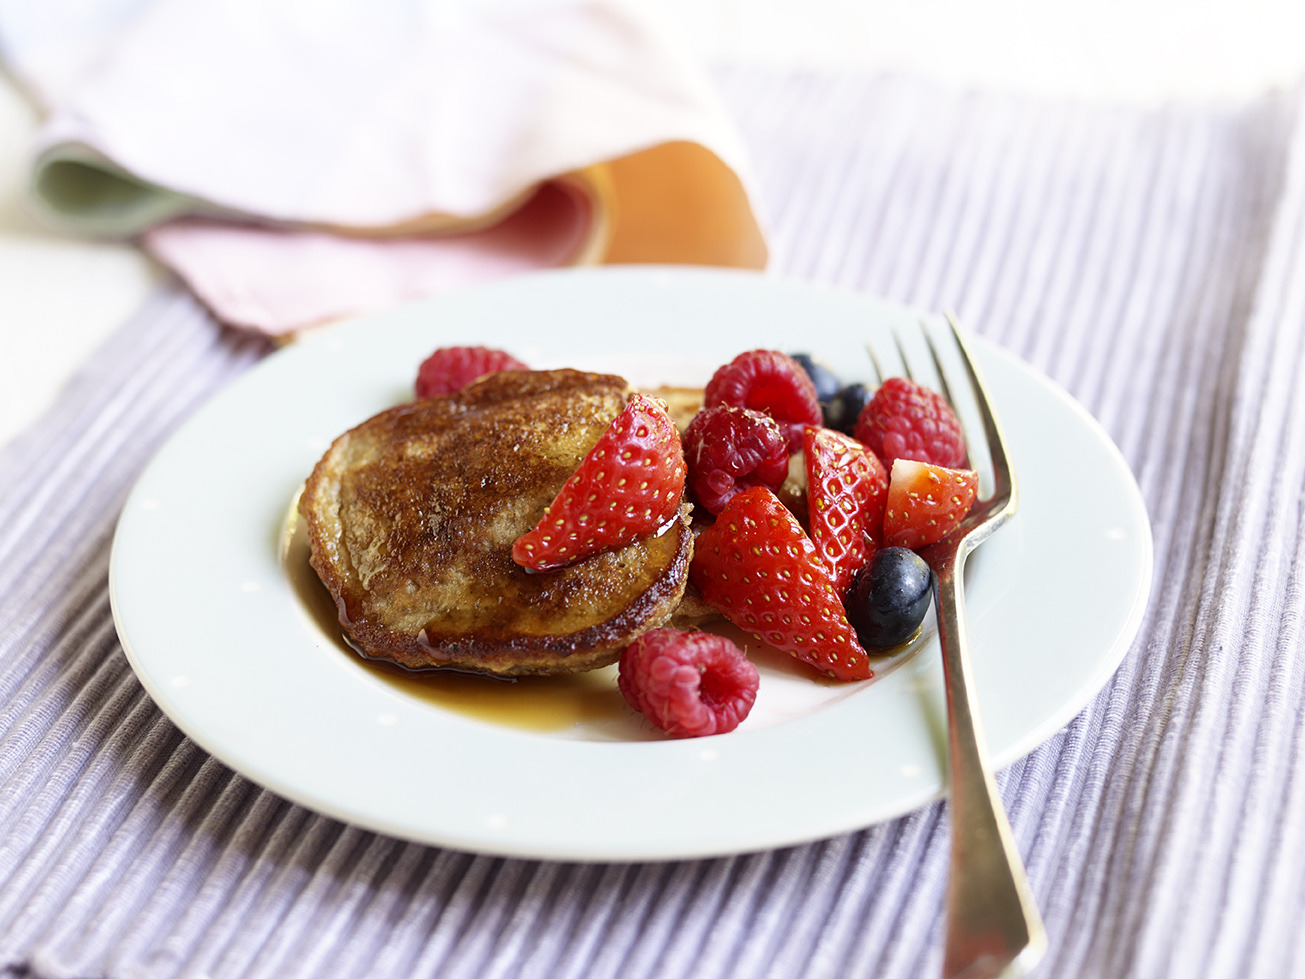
column 901, row 353
column 944, row 388
column 1003, row 475
column 880, row 376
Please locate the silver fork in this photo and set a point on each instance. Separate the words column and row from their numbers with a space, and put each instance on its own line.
column 993, row 925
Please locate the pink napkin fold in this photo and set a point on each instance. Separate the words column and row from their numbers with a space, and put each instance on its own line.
column 273, row 279
column 296, row 162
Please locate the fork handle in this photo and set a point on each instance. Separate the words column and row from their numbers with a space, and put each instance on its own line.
column 993, row 925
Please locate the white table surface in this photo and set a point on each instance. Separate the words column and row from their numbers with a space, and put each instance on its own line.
column 59, row 297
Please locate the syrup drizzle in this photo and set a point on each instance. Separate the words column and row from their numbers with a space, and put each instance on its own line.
column 583, row 706
column 538, row 704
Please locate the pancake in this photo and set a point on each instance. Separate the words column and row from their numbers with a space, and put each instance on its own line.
column 682, row 403
column 411, row 517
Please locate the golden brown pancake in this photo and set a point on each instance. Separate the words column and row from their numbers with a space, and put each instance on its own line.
column 411, row 518
column 682, row 403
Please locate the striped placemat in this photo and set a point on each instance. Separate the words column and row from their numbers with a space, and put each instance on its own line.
column 1150, row 260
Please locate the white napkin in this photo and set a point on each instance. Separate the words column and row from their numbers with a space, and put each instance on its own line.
column 298, row 160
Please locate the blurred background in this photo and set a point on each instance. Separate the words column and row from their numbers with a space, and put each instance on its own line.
column 59, row 297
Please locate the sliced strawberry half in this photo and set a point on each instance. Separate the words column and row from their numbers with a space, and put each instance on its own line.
column 846, row 492
column 757, row 567
column 629, row 484
column 926, row 502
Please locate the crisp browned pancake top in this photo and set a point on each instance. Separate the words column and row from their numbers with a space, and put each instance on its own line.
column 411, row 517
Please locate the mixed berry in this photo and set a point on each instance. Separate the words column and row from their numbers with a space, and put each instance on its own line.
column 730, row 449
column 829, row 572
column 772, row 383
column 889, row 597
column 905, row 420
column 847, row 490
column 626, row 487
column 689, row 684
column 450, row 369
column 845, row 407
column 811, row 499
column 758, row 568
column 925, row 502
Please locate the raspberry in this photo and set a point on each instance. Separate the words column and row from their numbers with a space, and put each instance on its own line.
column 907, row 421
column 688, row 683
column 772, row 383
column 450, row 369
column 730, row 449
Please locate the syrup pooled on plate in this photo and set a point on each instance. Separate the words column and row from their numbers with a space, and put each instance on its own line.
column 539, row 704
column 580, row 706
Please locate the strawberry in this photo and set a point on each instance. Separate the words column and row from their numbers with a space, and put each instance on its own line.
column 757, row 567
column 629, row 484
column 926, row 502
column 846, row 490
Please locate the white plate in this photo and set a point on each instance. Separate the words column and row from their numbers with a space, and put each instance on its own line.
column 230, row 647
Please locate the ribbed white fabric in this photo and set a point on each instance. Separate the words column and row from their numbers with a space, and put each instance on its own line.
column 1151, row 261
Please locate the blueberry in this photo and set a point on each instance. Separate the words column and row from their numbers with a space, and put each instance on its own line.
column 842, row 410
column 825, row 380
column 889, row 598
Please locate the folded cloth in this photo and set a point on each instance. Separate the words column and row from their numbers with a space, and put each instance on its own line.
column 1151, row 260
column 295, row 161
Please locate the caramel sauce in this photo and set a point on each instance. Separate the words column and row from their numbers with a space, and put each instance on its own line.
column 539, row 704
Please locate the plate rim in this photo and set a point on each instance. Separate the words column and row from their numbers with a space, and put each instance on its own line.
column 706, row 844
